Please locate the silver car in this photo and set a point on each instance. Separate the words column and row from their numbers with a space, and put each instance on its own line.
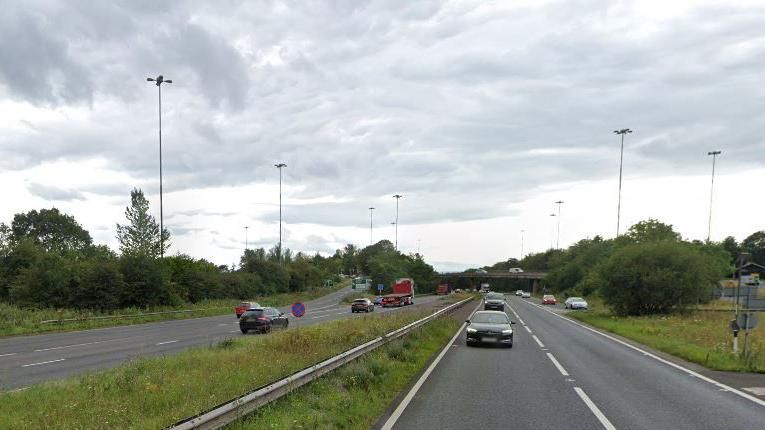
column 575, row 303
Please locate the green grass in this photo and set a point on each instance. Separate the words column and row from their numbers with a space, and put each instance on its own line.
column 356, row 395
column 700, row 337
column 16, row 321
column 156, row 392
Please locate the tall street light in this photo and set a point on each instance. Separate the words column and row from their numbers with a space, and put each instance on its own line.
column 553, row 235
column 622, row 132
column 714, row 155
column 246, row 238
column 371, row 241
column 397, row 197
column 557, row 241
column 159, row 80
column 522, row 231
column 280, row 166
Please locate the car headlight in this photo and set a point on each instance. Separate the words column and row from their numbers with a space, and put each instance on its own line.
column 471, row 330
column 507, row 332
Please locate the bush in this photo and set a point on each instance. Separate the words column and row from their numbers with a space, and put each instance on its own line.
column 658, row 277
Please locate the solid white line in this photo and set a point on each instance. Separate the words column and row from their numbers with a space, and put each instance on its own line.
column 527, row 329
column 539, row 342
column 661, row 360
column 341, row 313
column 7, row 355
column 410, row 395
column 594, row 408
column 169, row 341
column 555, row 362
column 44, row 362
column 234, row 331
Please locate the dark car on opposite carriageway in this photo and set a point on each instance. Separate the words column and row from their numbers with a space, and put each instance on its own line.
column 262, row 320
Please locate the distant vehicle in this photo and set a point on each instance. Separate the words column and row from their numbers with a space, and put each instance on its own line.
column 377, row 300
column 262, row 320
column 458, row 290
column 403, row 293
column 519, row 293
column 526, row 295
column 515, row 270
column 494, row 301
column 481, row 271
column 243, row 307
column 576, row 303
column 548, row 299
column 491, row 327
column 484, row 288
column 442, row 289
column 364, row 305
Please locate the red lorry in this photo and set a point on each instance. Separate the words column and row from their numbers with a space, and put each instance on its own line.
column 442, row 289
column 403, row 294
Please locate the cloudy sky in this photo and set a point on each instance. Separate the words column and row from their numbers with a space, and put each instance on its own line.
column 480, row 113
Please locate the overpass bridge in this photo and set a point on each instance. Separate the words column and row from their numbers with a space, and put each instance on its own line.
column 535, row 279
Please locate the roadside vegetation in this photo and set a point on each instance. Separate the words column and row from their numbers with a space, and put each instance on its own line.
column 156, row 392
column 356, row 395
column 652, row 286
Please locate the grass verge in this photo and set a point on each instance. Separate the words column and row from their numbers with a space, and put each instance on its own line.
column 16, row 321
column 156, row 392
column 700, row 337
column 357, row 394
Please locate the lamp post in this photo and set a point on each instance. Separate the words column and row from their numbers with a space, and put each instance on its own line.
column 371, row 241
column 246, row 238
column 714, row 155
column 280, row 166
column 397, row 197
column 621, row 132
column 553, row 234
column 522, row 231
column 159, row 80
column 557, row 240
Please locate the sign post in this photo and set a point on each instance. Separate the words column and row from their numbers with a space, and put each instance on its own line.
column 380, row 288
column 298, row 310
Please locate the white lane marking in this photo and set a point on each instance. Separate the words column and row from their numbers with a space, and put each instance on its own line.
column 594, row 408
column 44, row 362
column 320, row 316
column 527, row 329
column 557, row 364
column 7, row 355
column 165, row 343
column 234, row 331
column 341, row 313
column 73, row 346
column 410, row 395
column 661, row 360
column 520, row 320
column 539, row 342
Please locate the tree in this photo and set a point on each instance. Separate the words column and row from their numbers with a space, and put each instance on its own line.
column 755, row 245
column 658, row 277
column 51, row 230
column 140, row 237
column 651, row 230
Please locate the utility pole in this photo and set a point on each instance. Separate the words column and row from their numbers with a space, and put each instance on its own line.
column 246, row 238
column 553, row 235
column 397, row 197
column 159, row 80
column 522, row 231
column 714, row 155
column 280, row 166
column 557, row 240
column 621, row 132
column 371, row 241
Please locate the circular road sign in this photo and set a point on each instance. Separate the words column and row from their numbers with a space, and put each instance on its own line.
column 298, row 309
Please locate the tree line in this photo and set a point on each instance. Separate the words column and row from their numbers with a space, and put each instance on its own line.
column 648, row 270
column 48, row 260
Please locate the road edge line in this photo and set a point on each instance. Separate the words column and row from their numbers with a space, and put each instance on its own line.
column 393, row 418
column 660, row 359
column 594, row 408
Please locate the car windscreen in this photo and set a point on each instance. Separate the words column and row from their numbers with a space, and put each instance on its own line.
column 360, row 301
column 254, row 313
column 575, row 299
column 490, row 319
column 494, row 296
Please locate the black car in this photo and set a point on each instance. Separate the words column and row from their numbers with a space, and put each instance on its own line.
column 494, row 302
column 362, row 305
column 262, row 320
column 490, row 327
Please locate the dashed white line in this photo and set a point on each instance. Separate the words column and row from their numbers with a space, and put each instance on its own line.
column 234, row 331
column 73, row 346
column 527, row 329
column 165, row 343
column 539, row 342
column 44, row 362
column 557, row 364
column 7, row 355
column 594, row 408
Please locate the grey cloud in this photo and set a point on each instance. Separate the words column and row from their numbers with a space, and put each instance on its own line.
column 54, row 193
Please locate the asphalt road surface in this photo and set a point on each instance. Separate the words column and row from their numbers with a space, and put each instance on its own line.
column 31, row 359
column 561, row 375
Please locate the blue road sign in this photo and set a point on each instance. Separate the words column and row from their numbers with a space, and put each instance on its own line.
column 298, row 309
column 380, row 287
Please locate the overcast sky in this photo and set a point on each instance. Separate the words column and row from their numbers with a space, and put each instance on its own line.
column 480, row 113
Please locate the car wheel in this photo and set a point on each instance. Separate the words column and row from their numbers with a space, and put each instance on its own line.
column 286, row 323
column 244, row 331
column 510, row 345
